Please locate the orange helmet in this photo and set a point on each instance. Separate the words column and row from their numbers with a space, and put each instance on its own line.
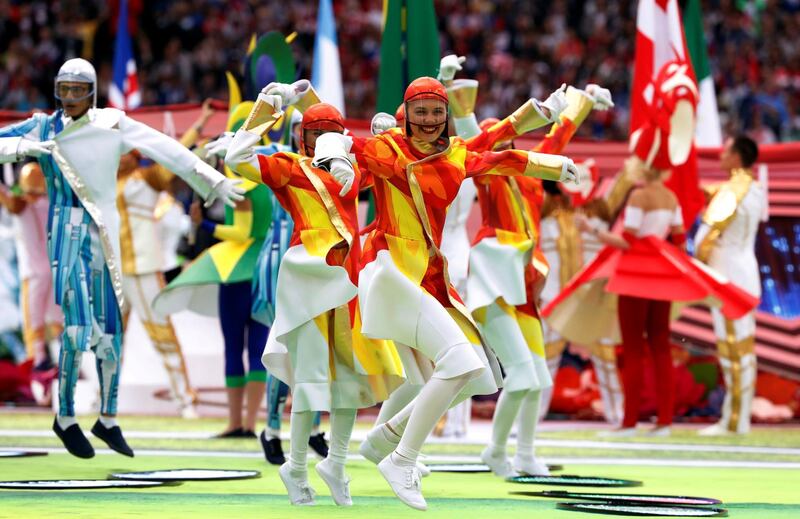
column 31, row 179
column 424, row 88
column 320, row 116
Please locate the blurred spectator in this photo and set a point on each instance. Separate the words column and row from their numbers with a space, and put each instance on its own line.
column 515, row 48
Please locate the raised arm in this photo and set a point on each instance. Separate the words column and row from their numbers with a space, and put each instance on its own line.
column 202, row 178
column 531, row 115
column 266, row 112
column 580, row 103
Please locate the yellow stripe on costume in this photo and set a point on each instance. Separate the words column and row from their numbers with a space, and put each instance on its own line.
column 226, row 255
column 529, row 325
column 514, row 239
column 313, row 211
column 240, row 229
column 409, row 256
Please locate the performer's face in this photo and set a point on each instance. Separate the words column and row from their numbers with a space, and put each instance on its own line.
column 76, row 97
column 427, row 118
column 728, row 158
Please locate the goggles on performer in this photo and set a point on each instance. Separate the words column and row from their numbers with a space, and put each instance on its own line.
column 73, row 91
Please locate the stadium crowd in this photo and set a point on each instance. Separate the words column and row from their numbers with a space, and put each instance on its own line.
column 515, row 48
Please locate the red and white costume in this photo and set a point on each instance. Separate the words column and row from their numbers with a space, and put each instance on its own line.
column 638, row 284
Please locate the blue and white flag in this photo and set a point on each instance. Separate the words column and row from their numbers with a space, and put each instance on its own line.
column 123, row 93
column 326, row 74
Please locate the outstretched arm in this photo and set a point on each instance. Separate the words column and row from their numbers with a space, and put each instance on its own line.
column 23, row 140
column 519, row 162
column 202, row 178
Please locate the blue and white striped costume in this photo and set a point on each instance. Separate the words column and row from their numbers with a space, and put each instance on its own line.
column 81, row 279
column 83, row 228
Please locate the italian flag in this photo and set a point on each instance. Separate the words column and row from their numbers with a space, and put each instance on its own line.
column 659, row 39
column 709, row 131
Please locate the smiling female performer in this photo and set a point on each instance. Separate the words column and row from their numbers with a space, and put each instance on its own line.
column 312, row 346
column 404, row 291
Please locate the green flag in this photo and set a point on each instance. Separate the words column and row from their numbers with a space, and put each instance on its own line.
column 709, row 130
column 409, row 48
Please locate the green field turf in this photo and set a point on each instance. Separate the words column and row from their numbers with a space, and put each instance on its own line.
column 747, row 493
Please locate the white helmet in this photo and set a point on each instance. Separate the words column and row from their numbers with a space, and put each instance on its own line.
column 78, row 70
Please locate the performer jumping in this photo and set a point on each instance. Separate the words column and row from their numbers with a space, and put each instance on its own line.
column 725, row 241
column 404, row 291
column 78, row 148
column 264, row 290
column 314, row 345
column 505, row 277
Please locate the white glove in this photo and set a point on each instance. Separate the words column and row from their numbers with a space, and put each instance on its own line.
column 228, row 191
column 569, row 172
column 601, row 96
column 449, row 65
column 556, row 103
column 382, row 122
column 31, row 148
column 220, row 145
column 342, row 171
column 289, row 94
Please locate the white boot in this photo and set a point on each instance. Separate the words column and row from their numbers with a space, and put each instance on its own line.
column 300, row 492
column 405, row 482
column 378, row 444
column 338, row 485
column 530, row 466
column 718, row 429
column 499, row 463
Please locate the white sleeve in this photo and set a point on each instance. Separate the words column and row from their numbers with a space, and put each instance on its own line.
column 677, row 217
column 633, row 217
column 10, row 136
column 169, row 153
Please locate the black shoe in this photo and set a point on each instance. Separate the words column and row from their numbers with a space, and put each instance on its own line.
column 113, row 438
column 318, row 443
column 273, row 450
column 233, row 433
column 246, row 433
column 73, row 439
